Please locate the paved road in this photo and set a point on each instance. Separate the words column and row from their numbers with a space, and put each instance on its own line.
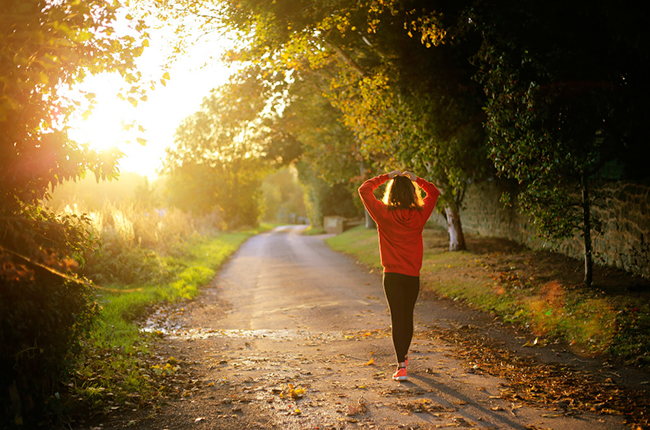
column 291, row 335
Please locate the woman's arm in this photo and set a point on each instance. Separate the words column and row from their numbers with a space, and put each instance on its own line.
column 432, row 195
column 366, row 189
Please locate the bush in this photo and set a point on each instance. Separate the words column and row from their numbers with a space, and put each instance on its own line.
column 43, row 322
column 135, row 242
column 48, row 326
column 45, row 309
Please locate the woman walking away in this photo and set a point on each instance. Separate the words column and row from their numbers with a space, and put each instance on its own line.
column 400, row 220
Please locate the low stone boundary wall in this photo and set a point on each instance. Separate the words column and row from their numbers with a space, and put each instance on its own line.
column 624, row 211
column 338, row 224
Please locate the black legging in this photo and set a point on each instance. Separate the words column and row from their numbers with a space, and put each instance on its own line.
column 401, row 293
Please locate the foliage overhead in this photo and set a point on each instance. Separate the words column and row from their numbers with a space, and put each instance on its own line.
column 565, row 109
column 45, row 49
column 555, row 95
column 562, row 107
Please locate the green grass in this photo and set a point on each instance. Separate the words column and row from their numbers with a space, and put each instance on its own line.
column 311, row 231
column 592, row 321
column 192, row 268
column 360, row 242
column 113, row 369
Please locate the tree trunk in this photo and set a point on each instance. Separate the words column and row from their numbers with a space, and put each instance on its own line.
column 370, row 223
column 455, row 229
column 586, row 225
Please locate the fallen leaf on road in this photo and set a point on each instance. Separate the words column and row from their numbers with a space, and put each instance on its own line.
column 359, row 409
column 530, row 344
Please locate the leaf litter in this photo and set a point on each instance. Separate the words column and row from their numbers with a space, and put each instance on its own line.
column 564, row 388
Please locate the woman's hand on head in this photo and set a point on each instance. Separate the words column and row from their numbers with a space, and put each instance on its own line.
column 410, row 175
column 394, row 173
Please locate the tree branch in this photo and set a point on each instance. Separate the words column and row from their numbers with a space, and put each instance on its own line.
column 346, row 58
column 64, row 275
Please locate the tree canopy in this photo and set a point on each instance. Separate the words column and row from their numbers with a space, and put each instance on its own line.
column 552, row 96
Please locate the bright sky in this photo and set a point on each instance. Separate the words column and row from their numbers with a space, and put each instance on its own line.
column 161, row 114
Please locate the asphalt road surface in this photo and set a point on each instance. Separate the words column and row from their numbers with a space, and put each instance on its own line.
column 291, row 335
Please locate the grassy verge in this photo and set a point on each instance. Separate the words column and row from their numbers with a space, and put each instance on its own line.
column 311, row 231
column 116, row 369
column 537, row 290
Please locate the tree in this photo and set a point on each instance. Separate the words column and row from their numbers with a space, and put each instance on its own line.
column 558, row 107
column 46, row 47
column 400, row 111
column 215, row 163
column 425, row 114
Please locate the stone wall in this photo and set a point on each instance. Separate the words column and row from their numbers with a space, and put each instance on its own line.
column 624, row 241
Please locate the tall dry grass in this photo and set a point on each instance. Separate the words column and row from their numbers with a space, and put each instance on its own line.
column 136, row 241
column 131, row 224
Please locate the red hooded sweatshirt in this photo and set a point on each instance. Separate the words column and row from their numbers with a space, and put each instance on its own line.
column 400, row 230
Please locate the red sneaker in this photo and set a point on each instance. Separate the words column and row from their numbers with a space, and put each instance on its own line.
column 400, row 375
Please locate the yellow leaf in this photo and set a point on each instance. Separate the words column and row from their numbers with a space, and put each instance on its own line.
column 533, row 343
column 166, row 75
column 372, row 361
column 141, row 141
column 297, row 393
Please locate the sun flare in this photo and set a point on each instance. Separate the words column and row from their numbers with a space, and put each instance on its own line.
column 143, row 131
column 104, row 128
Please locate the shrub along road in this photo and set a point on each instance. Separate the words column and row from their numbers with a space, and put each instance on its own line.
column 292, row 335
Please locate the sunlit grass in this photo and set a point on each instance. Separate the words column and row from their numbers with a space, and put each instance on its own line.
column 311, row 231
column 360, row 242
